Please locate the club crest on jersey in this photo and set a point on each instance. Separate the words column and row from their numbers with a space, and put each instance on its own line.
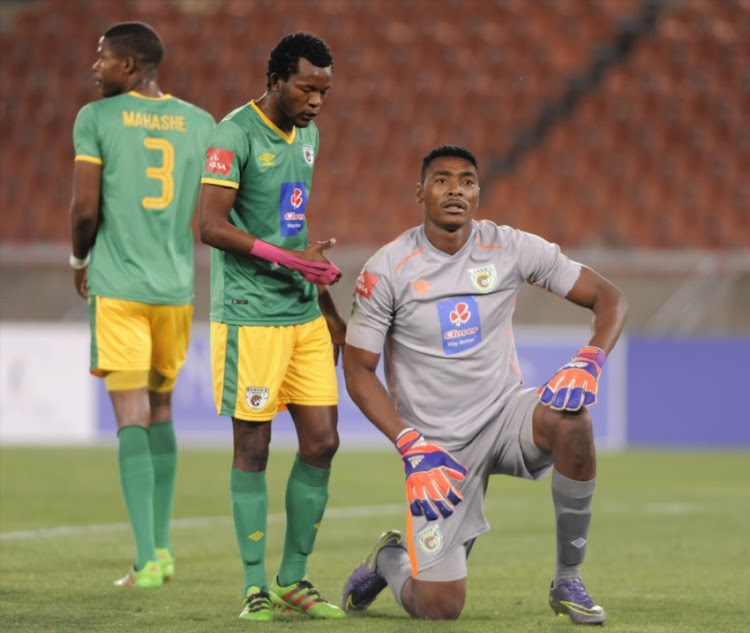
column 292, row 204
column 460, row 326
column 483, row 279
column 430, row 539
column 256, row 397
column 309, row 153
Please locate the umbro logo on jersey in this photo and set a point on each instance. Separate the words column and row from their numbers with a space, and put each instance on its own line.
column 421, row 287
column 266, row 159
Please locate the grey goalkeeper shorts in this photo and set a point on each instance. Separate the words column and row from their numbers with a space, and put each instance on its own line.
column 505, row 446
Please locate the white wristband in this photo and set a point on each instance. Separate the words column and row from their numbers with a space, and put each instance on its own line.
column 78, row 264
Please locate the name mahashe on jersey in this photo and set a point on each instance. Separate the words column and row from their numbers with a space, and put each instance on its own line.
column 174, row 122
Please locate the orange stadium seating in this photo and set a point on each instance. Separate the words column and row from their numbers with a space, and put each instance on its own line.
column 654, row 155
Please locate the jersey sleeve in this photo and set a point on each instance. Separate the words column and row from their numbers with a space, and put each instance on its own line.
column 228, row 150
column 373, row 309
column 86, row 136
column 544, row 264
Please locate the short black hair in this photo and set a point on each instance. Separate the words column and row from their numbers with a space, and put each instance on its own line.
column 137, row 39
column 284, row 59
column 447, row 150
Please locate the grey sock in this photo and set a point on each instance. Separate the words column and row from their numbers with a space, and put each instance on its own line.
column 393, row 565
column 572, row 501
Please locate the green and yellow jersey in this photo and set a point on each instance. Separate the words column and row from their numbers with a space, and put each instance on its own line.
column 151, row 151
column 272, row 173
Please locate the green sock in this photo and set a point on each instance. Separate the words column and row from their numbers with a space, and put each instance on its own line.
column 249, row 497
column 306, row 498
column 163, row 444
column 137, row 483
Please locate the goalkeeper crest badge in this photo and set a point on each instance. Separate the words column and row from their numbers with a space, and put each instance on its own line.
column 430, row 539
column 256, row 397
column 483, row 279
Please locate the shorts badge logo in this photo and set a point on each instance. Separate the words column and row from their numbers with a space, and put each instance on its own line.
column 256, row 397
column 309, row 153
column 430, row 539
column 483, row 279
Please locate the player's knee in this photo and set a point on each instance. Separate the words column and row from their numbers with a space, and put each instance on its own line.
column 319, row 449
column 440, row 606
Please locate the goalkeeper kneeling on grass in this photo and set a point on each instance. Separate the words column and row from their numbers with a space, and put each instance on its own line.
column 439, row 300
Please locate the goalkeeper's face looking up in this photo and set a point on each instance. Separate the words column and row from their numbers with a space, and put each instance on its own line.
column 449, row 194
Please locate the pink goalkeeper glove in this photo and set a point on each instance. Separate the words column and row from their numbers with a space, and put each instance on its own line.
column 314, row 272
column 575, row 384
column 428, row 468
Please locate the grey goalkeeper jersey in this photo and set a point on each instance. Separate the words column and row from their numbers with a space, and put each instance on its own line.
column 445, row 322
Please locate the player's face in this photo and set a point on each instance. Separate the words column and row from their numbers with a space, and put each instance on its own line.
column 109, row 70
column 450, row 192
column 302, row 95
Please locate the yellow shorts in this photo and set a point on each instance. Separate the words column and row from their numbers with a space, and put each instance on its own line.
column 258, row 370
column 134, row 336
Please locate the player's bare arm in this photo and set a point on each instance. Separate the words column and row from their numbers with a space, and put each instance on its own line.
column 575, row 384
column 608, row 304
column 336, row 324
column 84, row 216
column 368, row 393
column 214, row 205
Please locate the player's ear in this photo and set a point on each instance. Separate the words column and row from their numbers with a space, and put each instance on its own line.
column 420, row 193
column 274, row 80
column 128, row 64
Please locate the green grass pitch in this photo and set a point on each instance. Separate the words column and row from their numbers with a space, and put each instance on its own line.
column 669, row 548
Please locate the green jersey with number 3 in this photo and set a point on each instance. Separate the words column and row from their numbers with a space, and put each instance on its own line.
column 151, row 151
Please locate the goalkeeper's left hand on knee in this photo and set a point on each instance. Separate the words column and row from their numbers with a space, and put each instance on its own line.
column 575, row 384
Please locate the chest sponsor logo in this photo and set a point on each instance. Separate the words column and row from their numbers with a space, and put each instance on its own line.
column 460, row 327
column 219, row 161
column 366, row 283
column 430, row 539
column 309, row 153
column 483, row 279
column 266, row 159
column 256, row 397
column 292, row 205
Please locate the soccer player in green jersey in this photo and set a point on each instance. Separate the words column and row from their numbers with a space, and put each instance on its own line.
column 275, row 332
column 138, row 159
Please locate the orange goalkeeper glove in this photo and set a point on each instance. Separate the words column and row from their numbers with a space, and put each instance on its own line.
column 575, row 384
column 429, row 470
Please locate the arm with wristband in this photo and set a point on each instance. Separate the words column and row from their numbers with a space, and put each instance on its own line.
column 429, row 470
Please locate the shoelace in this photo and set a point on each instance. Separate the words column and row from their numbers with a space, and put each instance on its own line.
column 258, row 601
column 579, row 593
column 310, row 590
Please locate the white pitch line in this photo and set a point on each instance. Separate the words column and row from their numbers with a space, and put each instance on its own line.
column 195, row 522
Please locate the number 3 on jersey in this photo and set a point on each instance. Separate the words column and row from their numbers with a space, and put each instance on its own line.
column 162, row 174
